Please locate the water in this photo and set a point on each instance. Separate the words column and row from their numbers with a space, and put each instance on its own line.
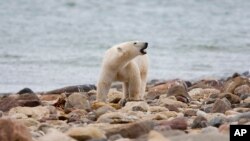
column 46, row 44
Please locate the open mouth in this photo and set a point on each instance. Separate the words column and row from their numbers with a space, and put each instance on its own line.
column 143, row 50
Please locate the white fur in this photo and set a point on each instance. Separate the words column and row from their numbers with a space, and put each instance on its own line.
column 124, row 62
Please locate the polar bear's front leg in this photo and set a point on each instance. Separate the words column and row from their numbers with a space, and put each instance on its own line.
column 103, row 87
column 135, row 88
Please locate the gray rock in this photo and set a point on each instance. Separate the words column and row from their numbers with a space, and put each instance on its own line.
column 77, row 101
column 199, row 122
column 217, row 121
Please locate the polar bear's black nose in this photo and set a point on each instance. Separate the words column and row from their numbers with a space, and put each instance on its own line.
column 146, row 44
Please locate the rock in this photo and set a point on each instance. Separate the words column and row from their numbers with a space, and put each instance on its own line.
column 114, row 96
column 77, row 101
column 54, row 135
column 32, row 112
column 117, row 117
column 77, row 115
column 28, row 100
column 199, row 93
column 25, row 91
column 167, row 101
column 179, row 91
column 171, row 108
column 233, row 83
column 157, row 109
column 209, row 129
column 11, row 101
column 207, row 108
column 28, row 122
column 233, row 99
column 104, row 109
column 96, row 105
column 190, row 112
column 72, row 89
column 247, row 100
column 156, row 136
column 13, row 131
column 177, row 123
column 6, row 103
column 131, row 130
column 242, row 90
column 221, row 106
column 199, row 122
column 207, row 84
column 85, row 133
column 136, row 106
column 164, row 115
column 162, row 88
column 216, row 121
column 115, row 137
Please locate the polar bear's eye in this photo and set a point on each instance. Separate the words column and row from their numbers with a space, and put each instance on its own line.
column 134, row 43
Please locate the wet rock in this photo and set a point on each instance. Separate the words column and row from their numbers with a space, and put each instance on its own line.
column 32, row 112
column 29, row 100
column 156, row 136
column 85, row 133
column 221, row 106
column 54, row 135
column 72, row 89
column 77, row 101
column 179, row 91
column 117, row 117
column 131, row 130
column 13, row 131
column 136, row 106
column 25, row 91
column 114, row 96
column 199, row 122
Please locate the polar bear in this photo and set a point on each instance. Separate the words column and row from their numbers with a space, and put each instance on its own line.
column 126, row 62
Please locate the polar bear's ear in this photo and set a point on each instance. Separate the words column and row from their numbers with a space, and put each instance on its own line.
column 119, row 49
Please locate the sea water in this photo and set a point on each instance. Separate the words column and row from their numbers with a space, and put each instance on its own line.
column 47, row 44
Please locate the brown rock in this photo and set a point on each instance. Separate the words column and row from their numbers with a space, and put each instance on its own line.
column 7, row 103
column 204, row 84
column 224, row 128
column 13, row 131
column 221, row 106
column 136, row 106
column 190, row 112
column 234, row 99
column 177, row 91
column 132, row 130
column 72, row 89
column 95, row 105
column 233, row 83
column 85, row 133
column 114, row 96
column 28, row 100
column 177, row 123
column 117, row 117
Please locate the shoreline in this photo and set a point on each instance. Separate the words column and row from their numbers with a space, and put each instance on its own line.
column 172, row 110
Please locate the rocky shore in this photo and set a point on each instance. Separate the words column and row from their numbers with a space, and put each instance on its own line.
column 173, row 110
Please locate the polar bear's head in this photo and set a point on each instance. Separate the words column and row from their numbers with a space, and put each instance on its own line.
column 132, row 48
